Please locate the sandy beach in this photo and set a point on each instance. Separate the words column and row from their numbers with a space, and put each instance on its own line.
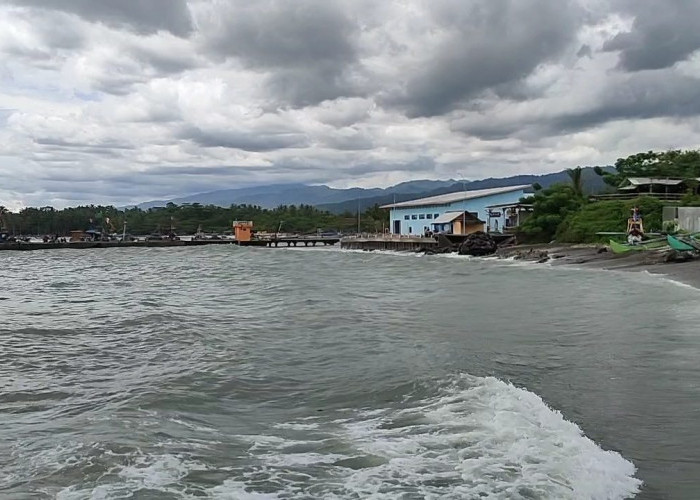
column 679, row 267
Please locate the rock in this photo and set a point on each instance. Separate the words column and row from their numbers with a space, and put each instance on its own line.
column 477, row 244
column 444, row 242
column 676, row 256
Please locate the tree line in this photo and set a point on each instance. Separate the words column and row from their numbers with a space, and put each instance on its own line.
column 187, row 218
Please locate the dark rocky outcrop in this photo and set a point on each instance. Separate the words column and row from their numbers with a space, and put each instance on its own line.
column 676, row 256
column 478, row 244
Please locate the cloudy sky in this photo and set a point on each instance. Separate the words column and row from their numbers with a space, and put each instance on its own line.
column 122, row 101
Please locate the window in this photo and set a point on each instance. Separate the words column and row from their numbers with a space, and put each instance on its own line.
column 406, row 217
column 429, row 216
column 421, row 216
column 414, row 216
column 436, row 216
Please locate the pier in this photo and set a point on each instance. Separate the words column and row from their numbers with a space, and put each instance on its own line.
column 271, row 242
column 388, row 242
column 298, row 241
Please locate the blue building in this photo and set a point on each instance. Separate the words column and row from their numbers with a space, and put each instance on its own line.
column 458, row 213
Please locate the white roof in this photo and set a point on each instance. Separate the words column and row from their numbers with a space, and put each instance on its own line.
column 511, row 205
column 642, row 181
column 448, row 217
column 445, row 199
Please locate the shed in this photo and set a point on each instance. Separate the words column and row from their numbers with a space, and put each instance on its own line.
column 458, row 222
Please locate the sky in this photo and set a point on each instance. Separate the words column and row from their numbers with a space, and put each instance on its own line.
column 119, row 102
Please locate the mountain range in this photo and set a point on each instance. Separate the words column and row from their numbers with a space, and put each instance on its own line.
column 350, row 200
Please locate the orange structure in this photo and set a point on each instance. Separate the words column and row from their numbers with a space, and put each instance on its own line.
column 243, row 230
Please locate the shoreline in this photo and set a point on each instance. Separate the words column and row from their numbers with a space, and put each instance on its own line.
column 664, row 263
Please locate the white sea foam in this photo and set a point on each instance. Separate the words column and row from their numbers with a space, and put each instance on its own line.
column 479, row 437
column 153, row 472
column 297, row 426
column 475, row 438
column 671, row 281
column 491, row 440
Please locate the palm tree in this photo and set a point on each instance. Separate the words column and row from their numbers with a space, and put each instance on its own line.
column 576, row 180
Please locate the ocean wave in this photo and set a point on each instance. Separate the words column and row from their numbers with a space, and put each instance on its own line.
column 477, row 437
column 480, row 437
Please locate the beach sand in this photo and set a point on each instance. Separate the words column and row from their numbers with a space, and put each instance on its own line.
column 683, row 268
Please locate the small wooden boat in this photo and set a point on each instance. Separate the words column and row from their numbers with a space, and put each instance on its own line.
column 618, row 247
column 681, row 245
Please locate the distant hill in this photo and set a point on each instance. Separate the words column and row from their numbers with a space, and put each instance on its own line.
column 592, row 183
column 271, row 196
column 342, row 200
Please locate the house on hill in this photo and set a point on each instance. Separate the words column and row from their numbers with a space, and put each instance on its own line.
column 462, row 212
column 662, row 188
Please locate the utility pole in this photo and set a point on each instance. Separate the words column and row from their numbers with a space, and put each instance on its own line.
column 464, row 211
column 358, row 216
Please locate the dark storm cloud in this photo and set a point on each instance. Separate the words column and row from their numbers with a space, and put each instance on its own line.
column 662, row 34
column 147, row 16
column 490, row 43
column 246, row 141
column 307, row 45
column 644, row 95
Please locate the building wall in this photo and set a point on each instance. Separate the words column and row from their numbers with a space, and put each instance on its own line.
column 689, row 219
column 498, row 224
column 410, row 217
column 471, row 227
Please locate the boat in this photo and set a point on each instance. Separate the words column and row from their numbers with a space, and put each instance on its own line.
column 681, row 245
column 618, row 247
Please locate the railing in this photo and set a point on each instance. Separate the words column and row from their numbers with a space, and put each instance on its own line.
column 385, row 236
column 632, row 196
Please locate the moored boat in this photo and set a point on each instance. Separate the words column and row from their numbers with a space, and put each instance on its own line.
column 682, row 245
column 618, row 247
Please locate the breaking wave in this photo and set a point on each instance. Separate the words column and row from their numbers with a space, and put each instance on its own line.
column 477, row 438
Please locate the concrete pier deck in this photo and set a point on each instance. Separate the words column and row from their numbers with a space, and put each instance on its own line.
column 388, row 242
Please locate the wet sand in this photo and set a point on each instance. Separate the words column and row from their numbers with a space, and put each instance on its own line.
column 681, row 267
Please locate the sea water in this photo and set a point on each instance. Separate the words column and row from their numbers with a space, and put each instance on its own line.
column 256, row 373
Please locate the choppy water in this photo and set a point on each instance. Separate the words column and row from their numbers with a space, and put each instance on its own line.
column 227, row 372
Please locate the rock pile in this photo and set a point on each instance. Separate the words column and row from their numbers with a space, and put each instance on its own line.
column 478, row 244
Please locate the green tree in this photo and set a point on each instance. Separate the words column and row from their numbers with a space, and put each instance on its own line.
column 550, row 206
column 575, row 174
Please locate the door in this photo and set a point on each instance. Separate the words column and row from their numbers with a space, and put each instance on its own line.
column 397, row 227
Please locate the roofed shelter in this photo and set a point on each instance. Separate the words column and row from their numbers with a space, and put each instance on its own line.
column 644, row 185
column 662, row 188
column 507, row 217
column 458, row 223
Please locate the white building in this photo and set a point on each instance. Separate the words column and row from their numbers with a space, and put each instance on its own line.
column 459, row 213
